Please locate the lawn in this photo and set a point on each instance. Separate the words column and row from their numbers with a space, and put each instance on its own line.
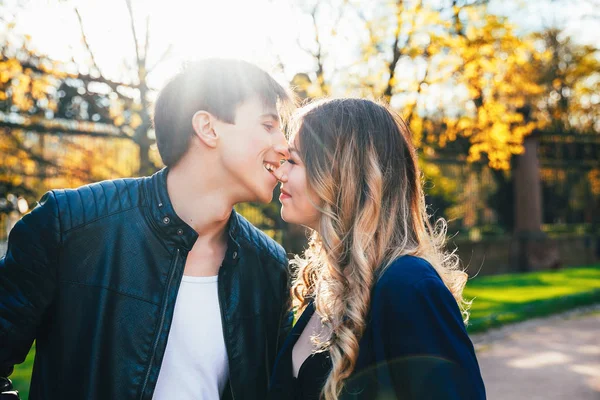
column 22, row 375
column 503, row 299
column 498, row 300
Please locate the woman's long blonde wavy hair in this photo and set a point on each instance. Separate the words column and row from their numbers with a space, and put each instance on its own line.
column 362, row 165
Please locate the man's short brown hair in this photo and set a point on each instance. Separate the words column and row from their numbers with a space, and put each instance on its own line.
column 217, row 86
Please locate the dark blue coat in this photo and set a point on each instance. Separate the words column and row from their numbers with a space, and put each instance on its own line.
column 415, row 345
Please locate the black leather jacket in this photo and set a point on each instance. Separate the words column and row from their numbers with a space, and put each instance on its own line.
column 92, row 275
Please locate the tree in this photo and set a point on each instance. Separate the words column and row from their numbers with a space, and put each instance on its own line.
column 570, row 82
column 137, row 73
column 57, row 127
column 45, row 101
column 471, row 89
column 412, row 54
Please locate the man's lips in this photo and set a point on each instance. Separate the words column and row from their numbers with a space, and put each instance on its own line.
column 271, row 167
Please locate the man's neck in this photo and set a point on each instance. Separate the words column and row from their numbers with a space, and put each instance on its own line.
column 202, row 203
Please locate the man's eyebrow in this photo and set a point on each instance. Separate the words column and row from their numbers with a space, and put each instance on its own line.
column 273, row 116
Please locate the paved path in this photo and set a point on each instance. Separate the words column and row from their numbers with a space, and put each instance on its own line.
column 549, row 359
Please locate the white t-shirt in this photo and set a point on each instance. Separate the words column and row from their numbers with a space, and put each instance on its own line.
column 195, row 364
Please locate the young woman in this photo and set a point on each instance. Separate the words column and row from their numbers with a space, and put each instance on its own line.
column 378, row 297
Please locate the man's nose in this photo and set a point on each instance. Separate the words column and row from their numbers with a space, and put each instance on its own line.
column 280, row 145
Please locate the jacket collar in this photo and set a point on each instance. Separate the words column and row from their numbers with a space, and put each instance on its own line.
column 174, row 229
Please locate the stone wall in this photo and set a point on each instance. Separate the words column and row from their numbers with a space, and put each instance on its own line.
column 493, row 256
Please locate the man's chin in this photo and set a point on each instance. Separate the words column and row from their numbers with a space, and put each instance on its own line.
column 258, row 193
column 266, row 196
column 267, row 199
column 263, row 190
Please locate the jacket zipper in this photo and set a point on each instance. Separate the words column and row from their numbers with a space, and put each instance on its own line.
column 220, row 292
column 162, row 320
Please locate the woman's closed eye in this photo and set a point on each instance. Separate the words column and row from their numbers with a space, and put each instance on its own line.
column 288, row 160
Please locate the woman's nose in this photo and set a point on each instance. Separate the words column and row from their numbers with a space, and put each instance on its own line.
column 281, row 173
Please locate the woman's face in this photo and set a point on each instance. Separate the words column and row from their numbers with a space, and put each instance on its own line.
column 298, row 202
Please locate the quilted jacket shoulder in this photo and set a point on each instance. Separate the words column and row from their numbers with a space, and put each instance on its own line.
column 78, row 207
column 256, row 240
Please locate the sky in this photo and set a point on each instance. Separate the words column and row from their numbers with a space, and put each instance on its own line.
column 203, row 28
column 573, row 15
column 260, row 31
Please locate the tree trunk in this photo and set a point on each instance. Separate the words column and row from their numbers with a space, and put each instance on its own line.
column 531, row 249
column 146, row 167
column 141, row 138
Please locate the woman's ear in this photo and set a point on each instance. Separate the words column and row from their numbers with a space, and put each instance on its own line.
column 203, row 124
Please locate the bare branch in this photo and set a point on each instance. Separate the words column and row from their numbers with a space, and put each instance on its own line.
column 147, row 41
column 419, row 89
column 319, row 54
column 162, row 58
column 84, row 77
column 396, row 53
column 279, row 64
column 43, row 129
column 309, row 51
column 43, row 161
column 135, row 38
column 86, row 43
column 363, row 18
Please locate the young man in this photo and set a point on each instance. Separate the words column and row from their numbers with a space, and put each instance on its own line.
column 153, row 287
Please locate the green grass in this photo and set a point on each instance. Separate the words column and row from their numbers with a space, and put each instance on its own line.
column 499, row 300
column 22, row 375
column 503, row 299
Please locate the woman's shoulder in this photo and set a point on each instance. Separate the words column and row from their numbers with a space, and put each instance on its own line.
column 406, row 271
column 410, row 281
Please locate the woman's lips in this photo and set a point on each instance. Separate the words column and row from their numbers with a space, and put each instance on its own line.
column 284, row 195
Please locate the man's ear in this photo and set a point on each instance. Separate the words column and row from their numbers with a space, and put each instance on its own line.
column 203, row 123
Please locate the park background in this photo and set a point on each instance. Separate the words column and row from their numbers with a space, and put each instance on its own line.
column 502, row 97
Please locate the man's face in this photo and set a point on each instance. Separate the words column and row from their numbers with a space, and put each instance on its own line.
column 252, row 147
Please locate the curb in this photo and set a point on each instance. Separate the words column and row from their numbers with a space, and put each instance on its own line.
column 484, row 339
